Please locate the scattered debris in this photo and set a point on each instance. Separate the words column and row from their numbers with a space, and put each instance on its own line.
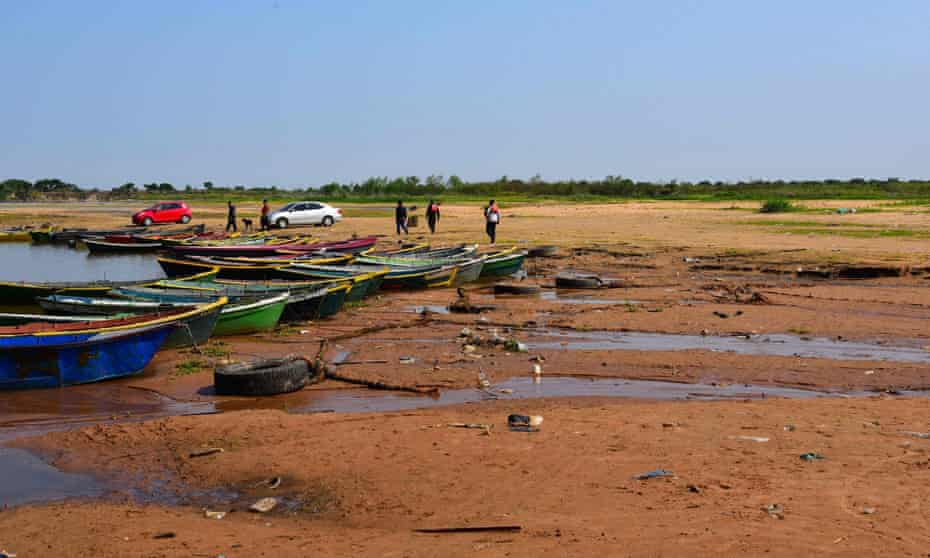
column 483, row 381
column 657, row 473
column 475, row 529
column 264, row 505
column 164, row 535
column 921, row 435
column 760, row 439
column 524, row 423
column 486, row 428
column 407, row 360
column 789, row 428
column 869, row 372
column 214, row 514
column 537, row 370
column 505, row 391
column 868, row 511
column 206, row 452
column 811, row 456
column 775, row 510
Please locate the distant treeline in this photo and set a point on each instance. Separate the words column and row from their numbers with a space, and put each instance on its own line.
column 380, row 188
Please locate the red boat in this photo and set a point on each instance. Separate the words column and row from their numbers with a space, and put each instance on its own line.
column 354, row 246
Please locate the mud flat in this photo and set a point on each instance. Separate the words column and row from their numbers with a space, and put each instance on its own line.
column 728, row 348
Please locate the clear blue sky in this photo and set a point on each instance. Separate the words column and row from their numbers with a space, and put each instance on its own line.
column 301, row 93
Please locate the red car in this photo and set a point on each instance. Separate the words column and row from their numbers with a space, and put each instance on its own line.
column 164, row 212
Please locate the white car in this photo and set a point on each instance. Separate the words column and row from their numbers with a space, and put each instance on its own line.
column 305, row 213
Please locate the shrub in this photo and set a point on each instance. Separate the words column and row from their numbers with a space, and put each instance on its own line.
column 778, row 205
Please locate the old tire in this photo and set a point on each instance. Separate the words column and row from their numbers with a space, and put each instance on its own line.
column 267, row 377
column 542, row 252
column 511, row 288
column 578, row 281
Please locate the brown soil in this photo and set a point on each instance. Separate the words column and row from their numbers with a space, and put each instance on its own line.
column 360, row 483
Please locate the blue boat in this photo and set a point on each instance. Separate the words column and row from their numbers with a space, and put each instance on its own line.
column 43, row 355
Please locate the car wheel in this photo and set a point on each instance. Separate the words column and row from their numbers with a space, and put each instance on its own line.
column 282, row 223
column 147, row 221
column 328, row 221
column 185, row 219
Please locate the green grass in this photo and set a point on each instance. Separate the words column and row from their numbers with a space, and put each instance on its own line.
column 190, row 366
column 216, row 349
column 777, row 205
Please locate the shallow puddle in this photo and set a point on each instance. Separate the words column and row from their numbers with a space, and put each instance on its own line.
column 28, row 479
column 433, row 308
column 757, row 345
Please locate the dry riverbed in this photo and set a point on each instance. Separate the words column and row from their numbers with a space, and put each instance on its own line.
column 729, row 347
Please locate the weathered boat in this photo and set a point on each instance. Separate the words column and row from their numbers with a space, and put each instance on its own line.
column 13, row 318
column 24, row 294
column 96, row 246
column 68, row 304
column 350, row 246
column 175, row 267
column 195, row 330
column 468, row 271
column 16, row 235
column 501, row 265
column 40, row 355
column 251, row 317
column 363, row 284
column 314, row 305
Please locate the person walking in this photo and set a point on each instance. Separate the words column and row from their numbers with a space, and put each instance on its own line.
column 231, row 217
column 400, row 217
column 492, row 216
column 266, row 210
column 432, row 216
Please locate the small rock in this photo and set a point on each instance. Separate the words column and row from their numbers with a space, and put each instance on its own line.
column 264, row 505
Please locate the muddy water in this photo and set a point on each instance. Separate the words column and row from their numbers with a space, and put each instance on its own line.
column 364, row 400
column 40, row 262
column 31, row 412
column 757, row 345
column 28, row 479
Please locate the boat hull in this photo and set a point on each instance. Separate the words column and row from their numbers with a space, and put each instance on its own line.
column 81, row 358
column 193, row 331
column 502, row 266
column 242, row 319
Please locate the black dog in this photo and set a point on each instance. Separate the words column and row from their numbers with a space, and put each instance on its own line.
column 246, row 224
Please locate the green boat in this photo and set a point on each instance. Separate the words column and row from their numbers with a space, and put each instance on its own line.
column 499, row 266
column 251, row 317
column 363, row 284
column 24, row 294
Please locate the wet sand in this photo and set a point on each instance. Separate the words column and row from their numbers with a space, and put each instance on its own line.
column 741, row 323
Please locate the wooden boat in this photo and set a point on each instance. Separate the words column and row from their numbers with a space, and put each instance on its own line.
column 314, row 305
column 251, row 317
column 68, row 304
column 174, row 267
column 350, row 246
column 425, row 252
column 96, row 246
column 468, row 271
column 40, row 355
column 15, row 235
column 24, row 294
column 363, row 284
column 501, row 265
column 12, row 318
column 43, row 235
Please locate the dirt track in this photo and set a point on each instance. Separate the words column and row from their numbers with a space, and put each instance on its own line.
column 362, row 482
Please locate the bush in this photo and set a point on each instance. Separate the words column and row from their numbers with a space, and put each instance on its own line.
column 777, row 206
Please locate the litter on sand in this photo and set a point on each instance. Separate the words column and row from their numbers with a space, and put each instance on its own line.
column 811, row 456
column 657, row 473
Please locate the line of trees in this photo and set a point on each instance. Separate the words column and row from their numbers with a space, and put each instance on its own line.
column 382, row 187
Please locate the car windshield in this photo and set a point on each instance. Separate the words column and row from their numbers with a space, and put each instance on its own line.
column 286, row 207
column 155, row 207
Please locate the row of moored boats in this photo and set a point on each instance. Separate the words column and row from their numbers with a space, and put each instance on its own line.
column 82, row 332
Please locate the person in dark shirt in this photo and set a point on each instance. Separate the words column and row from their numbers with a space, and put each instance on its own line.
column 400, row 217
column 231, row 217
column 432, row 215
column 265, row 224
